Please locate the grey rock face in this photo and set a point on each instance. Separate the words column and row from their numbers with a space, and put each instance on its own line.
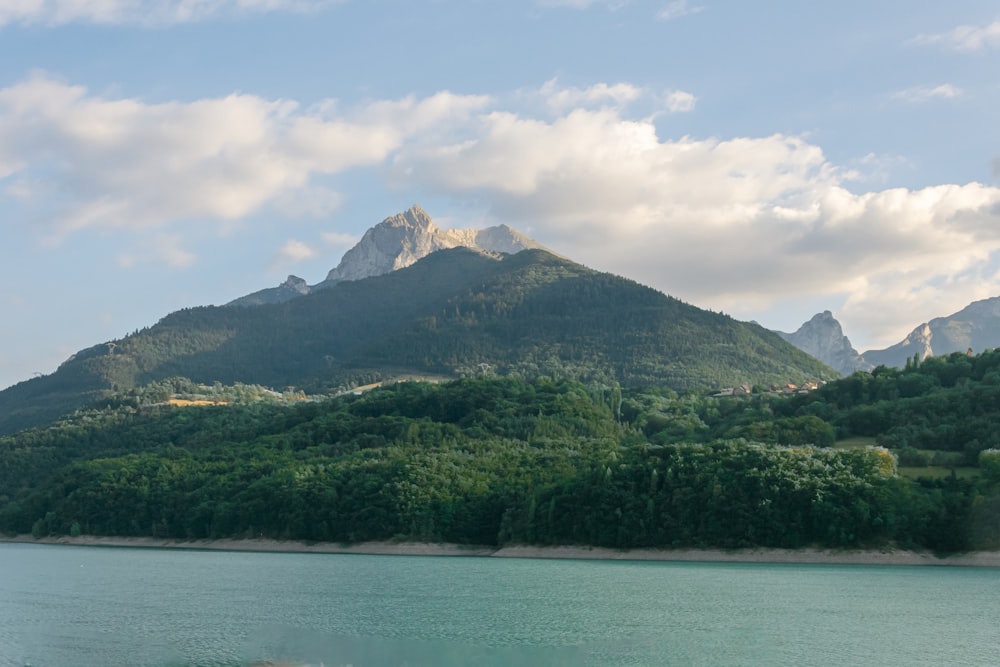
column 394, row 243
column 823, row 338
column 405, row 238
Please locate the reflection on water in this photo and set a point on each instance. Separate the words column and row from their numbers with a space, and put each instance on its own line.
column 134, row 607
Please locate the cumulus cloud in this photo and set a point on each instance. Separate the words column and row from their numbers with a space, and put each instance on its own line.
column 965, row 38
column 921, row 94
column 144, row 12
column 680, row 101
column 128, row 164
column 734, row 224
column 558, row 98
column 677, row 9
column 292, row 252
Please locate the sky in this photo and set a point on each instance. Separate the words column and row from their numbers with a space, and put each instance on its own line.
column 769, row 160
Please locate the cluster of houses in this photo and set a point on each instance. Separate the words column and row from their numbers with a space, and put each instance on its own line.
column 790, row 388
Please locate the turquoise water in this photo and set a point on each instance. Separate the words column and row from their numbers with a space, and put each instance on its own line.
column 101, row 606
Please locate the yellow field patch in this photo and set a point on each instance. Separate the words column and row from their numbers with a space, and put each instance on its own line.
column 184, row 402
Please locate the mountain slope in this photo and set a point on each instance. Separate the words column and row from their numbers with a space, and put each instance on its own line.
column 455, row 312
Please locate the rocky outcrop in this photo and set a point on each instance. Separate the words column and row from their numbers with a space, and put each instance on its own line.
column 291, row 288
column 823, row 338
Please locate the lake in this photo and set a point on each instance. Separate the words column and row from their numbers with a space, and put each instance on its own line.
column 83, row 606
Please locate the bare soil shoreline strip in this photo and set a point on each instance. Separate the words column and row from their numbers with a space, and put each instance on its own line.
column 802, row 556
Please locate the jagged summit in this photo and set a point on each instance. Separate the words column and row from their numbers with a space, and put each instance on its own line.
column 823, row 338
column 402, row 239
column 395, row 243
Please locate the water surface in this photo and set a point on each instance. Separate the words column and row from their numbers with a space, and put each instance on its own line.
column 136, row 607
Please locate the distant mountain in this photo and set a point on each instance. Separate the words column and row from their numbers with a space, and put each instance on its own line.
column 456, row 312
column 975, row 327
column 823, row 338
column 395, row 243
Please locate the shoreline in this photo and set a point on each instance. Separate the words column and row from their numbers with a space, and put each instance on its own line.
column 757, row 555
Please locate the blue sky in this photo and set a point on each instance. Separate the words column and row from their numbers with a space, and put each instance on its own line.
column 768, row 160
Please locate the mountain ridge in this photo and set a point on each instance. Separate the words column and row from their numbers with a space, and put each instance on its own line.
column 975, row 327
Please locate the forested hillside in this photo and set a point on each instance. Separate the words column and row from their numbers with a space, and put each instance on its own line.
column 497, row 461
column 455, row 313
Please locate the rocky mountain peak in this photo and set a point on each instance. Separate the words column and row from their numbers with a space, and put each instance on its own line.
column 412, row 217
column 395, row 243
column 297, row 284
column 823, row 338
column 402, row 239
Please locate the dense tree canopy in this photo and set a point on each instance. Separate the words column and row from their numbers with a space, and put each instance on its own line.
column 502, row 460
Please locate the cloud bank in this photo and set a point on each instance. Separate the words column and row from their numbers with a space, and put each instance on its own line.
column 737, row 224
column 86, row 161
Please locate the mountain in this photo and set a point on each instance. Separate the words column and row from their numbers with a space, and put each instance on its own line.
column 976, row 327
column 457, row 312
column 823, row 338
column 395, row 243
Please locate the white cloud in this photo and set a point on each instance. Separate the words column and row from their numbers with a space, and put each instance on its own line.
column 965, row 38
column 678, row 9
column 127, row 164
column 340, row 239
column 679, row 101
column 559, row 99
column 920, row 94
column 143, row 12
column 292, row 252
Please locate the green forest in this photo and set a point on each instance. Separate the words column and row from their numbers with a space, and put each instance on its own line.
column 903, row 458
